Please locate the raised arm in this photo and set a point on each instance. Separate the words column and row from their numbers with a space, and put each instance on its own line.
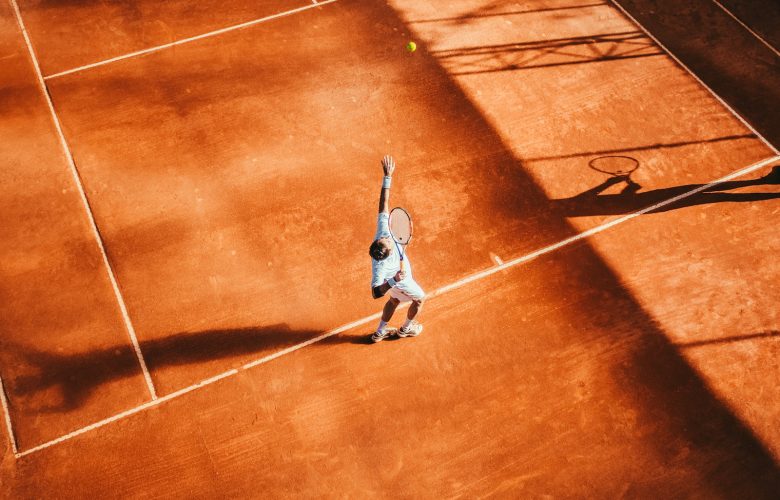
column 388, row 165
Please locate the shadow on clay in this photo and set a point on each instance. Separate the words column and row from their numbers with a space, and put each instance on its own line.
column 729, row 340
column 76, row 376
column 631, row 199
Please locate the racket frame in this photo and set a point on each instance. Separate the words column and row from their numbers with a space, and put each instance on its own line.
column 401, row 247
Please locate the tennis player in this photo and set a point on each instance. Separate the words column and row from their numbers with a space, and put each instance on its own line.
column 387, row 276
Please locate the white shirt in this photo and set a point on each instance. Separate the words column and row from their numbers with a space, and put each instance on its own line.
column 382, row 270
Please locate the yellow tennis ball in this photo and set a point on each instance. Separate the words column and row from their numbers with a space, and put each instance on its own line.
column 411, row 46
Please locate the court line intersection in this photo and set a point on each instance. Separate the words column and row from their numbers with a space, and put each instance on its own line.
column 85, row 203
column 208, row 34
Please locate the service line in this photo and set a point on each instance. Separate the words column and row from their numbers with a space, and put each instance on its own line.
column 188, row 40
column 440, row 291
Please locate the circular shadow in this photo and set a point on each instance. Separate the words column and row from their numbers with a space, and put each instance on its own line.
column 614, row 164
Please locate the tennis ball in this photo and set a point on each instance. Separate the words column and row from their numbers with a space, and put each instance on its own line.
column 411, row 46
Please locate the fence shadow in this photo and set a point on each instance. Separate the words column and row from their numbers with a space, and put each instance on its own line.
column 491, row 11
column 546, row 53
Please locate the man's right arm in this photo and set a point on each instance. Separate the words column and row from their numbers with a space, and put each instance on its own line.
column 380, row 290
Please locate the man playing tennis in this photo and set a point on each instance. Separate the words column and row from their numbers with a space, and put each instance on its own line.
column 388, row 275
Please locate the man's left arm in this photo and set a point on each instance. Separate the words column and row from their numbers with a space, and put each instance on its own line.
column 388, row 165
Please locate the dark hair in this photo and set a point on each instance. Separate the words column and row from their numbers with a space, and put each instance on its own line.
column 377, row 251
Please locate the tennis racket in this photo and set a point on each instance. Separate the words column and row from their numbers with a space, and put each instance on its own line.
column 401, row 230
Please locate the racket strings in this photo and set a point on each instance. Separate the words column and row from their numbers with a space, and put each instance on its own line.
column 400, row 226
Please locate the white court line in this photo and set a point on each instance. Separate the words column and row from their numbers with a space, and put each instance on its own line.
column 188, row 40
column 129, row 412
column 7, row 414
column 77, row 179
column 436, row 293
column 605, row 226
column 759, row 37
column 342, row 328
column 701, row 82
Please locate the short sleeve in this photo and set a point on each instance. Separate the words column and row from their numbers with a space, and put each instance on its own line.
column 377, row 273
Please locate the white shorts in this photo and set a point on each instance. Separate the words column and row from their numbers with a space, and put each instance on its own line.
column 407, row 290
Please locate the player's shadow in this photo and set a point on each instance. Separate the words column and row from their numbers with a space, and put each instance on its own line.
column 62, row 382
column 364, row 338
column 630, row 199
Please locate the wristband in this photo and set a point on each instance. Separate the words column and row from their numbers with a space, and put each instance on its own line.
column 386, row 182
column 391, row 282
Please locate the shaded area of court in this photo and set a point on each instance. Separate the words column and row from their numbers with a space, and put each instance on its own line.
column 630, row 198
column 761, row 16
column 527, row 381
column 77, row 376
column 726, row 56
column 557, row 118
column 706, row 274
column 230, row 211
column 505, row 395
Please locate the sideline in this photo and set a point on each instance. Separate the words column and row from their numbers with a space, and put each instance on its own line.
column 85, row 202
column 701, row 82
column 759, row 37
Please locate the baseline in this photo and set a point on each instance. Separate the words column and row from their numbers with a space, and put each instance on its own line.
column 439, row 291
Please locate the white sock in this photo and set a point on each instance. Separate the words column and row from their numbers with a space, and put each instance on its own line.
column 407, row 323
column 382, row 325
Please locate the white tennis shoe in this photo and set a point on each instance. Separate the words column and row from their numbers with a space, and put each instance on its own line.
column 380, row 335
column 414, row 330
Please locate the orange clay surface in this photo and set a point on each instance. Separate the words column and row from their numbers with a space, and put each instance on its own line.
column 761, row 15
column 67, row 34
column 726, row 56
column 234, row 181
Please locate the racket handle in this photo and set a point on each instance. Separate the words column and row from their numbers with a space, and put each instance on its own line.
column 403, row 266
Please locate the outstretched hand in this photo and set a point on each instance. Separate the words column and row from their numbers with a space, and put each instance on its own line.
column 388, row 164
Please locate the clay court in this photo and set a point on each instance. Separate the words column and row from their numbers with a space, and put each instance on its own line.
column 190, row 190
